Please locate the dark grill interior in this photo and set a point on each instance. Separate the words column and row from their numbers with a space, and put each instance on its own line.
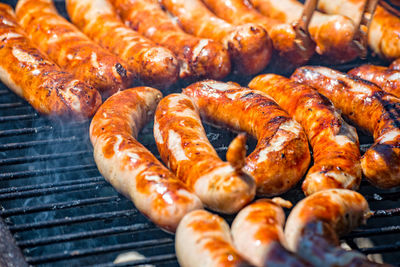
column 60, row 210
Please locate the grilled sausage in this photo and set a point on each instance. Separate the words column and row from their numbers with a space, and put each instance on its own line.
column 313, row 227
column 198, row 57
column 395, row 64
column 154, row 65
column 333, row 34
column 334, row 142
column 281, row 156
column 70, row 48
column 372, row 109
column 129, row 166
column 257, row 233
column 283, row 35
column 28, row 73
column 249, row 45
column 184, row 147
column 203, row 239
column 384, row 31
column 387, row 79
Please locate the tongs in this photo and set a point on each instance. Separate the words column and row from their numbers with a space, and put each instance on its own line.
column 360, row 37
column 301, row 26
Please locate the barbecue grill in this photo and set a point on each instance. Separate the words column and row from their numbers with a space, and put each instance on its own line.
column 57, row 209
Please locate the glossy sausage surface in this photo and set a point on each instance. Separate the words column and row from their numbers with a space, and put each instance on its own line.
column 249, row 45
column 281, row 156
column 334, row 142
column 204, row 240
column 198, row 57
column 283, row 35
column 370, row 108
column 70, row 48
column 184, row 147
column 31, row 75
column 333, row 34
column 129, row 166
column 153, row 65
column 387, row 79
column 384, row 31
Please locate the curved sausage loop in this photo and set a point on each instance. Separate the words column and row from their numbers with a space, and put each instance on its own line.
column 129, row 166
column 281, row 156
column 257, row 233
column 334, row 142
column 204, row 240
column 369, row 107
column 315, row 224
column 184, row 147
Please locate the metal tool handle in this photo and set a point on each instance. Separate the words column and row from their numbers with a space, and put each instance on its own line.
column 303, row 38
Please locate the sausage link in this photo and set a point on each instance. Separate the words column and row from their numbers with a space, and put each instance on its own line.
column 281, row 156
column 384, row 30
column 249, row 45
column 283, row 35
column 70, row 48
column 203, row 239
column 334, row 142
column 257, row 233
column 28, row 73
column 333, row 34
column 385, row 78
column 154, row 65
column 184, row 147
column 316, row 222
column 369, row 107
column 198, row 57
column 129, row 166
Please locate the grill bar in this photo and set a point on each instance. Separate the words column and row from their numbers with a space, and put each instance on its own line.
column 394, row 229
column 32, row 116
column 84, row 235
column 25, row 131
column 39, row 143
column 24, row 174
column 20, row 160
column 71, row 220
column 11, row 105
column 98, row 250
column 381, row 249
column 59, row 205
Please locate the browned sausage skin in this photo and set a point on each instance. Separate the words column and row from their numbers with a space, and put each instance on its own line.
column 184, row 147
column 334, row 142
column 257, row 233
column 315, row 224
column 70, row 48
column 129, row 166
column 153, row 65
column 369, row 107
column 203, row 240
column 384, row 31
column 295, row 49
column 28, row 73
column 198, row 57
column 385, row 78
column 333, row 34
column 249, row 45
column 281, row 157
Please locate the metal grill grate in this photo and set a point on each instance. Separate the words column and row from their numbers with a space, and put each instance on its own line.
column 61, row 211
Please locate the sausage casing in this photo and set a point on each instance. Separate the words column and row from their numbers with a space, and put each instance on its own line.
column 370, row 108
column 249, row 45
column 71, row 49
column 204, row 240
column 257, row 233
column 333, row 34
column 28, row 72
column 385, row 78
column 294, row 48
column 384, row 30
column 184, row 147
column 334, row 142
column 198, row 57
column 153, row 65
column 281, row 156
column 129, row 166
